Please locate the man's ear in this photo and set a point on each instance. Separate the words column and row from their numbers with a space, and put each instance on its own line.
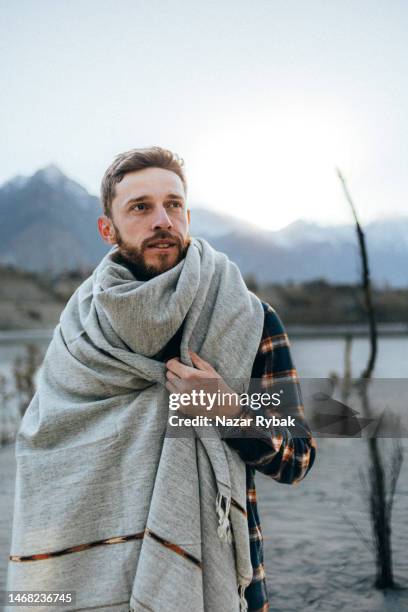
column 188, row 215
column 106, row 229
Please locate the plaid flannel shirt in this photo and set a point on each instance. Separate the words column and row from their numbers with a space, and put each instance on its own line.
column 276, row 451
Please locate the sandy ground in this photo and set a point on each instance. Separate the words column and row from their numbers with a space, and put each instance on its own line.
column 313, row 557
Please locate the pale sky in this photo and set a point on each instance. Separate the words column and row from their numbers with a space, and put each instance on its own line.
column 262, row 99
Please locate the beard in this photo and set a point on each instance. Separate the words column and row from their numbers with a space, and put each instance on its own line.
column 135, row 257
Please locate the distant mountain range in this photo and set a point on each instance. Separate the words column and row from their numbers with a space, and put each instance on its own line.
column 48, row 224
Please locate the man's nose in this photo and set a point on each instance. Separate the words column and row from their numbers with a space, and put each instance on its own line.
column 162, row 220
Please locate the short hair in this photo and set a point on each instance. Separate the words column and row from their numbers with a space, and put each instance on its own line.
column 138, row 159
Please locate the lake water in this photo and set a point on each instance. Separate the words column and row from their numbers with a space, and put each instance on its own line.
column 314, row 558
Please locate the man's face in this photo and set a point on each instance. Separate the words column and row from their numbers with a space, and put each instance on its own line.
column 149, row 220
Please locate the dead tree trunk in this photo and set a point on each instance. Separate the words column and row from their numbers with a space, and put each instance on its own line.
column 380, row 500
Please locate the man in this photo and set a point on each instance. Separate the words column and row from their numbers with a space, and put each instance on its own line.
column 163, row 312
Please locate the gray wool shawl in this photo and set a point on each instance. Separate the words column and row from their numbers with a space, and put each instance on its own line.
column 106, row 504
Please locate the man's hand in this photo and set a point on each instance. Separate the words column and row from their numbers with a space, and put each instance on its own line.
column 203, row 377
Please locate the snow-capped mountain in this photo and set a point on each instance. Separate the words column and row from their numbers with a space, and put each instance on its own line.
column 48, row 223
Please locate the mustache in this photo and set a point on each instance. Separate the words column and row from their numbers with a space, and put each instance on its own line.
column 162, row 235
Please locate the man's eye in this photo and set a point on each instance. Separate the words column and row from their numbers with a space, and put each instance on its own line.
column 138, row 206
column 175, row 203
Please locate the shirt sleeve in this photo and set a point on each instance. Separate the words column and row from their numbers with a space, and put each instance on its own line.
column 284, row 452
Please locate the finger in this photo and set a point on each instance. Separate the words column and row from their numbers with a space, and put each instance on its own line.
column 199, row 362
column 170, row 387
column 179, row 384
column 171, row 375
column 171, row 362
column 175, row 366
